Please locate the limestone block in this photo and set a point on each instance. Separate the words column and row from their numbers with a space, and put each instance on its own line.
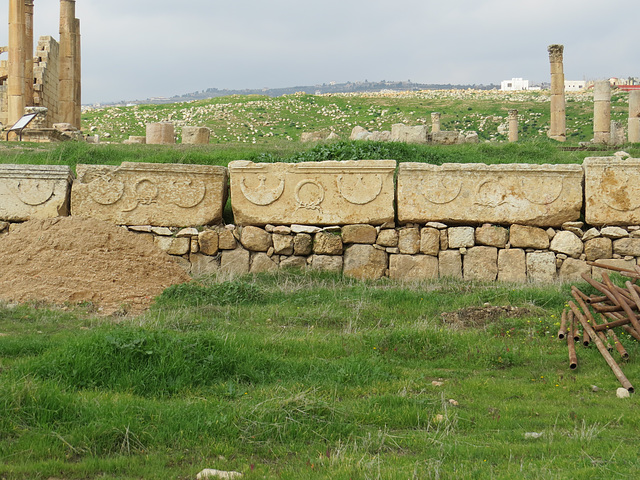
column 327, row 263
column 150, row 194
column 161, row 133
column 359, row 234
column 430, row 241
column 627, row 246
column 444, row 239
column 512, row 265
column 446, row 138
column 568, row 243
column 235, row 262
column 261, row 262
column 314, row 193
column 196, row 135
column 461, row 237
column 326, row 243
column 293, row 262
column 492, row 236
column 226, row 240
column 413, row 267
column 136, row 139
column 541, row 267
column 450, row 264
column 365, row 262
column 409, row 240
column 359, row 133
column 522, row 236
column 209, row 242
column 203, row 264
column 612, row 191
column 30, row 192
column 572, row 270
column 409, row 134
column 537, row 195
column 481, row 263
column 596, row 272
column 172, row 245
column 614, row 232
column 282, row 244
column 597, row 248
column 302, row 244
column 388, row 238
column 255, row 239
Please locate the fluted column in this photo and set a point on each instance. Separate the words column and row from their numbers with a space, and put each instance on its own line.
column 78, row 77
column 15, row 78
column 513, row 125
column 634, row 116
column 558, row 130
column 602, row 111
column 66, row 94
column 28, row 42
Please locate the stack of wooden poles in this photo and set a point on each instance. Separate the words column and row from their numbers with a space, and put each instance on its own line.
column 600, row 315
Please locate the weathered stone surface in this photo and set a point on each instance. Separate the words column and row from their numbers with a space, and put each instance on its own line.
column 596, row 272
column 612, row 191
column 597, row 248
column 627, row 246
column 541, row 267
column 461, row 237
column 203, row 264
column 359, row 234
column 149, row 193
column 522, row 236
column 255, row 239
column 196, row 135
column 572, row 270
column 450, row 264
column 302, row 244
column 444, row 137
column 413, row 267
column 187, row 232
column 512, row 265
column 135, row 140
column 163, row 231
column 538, row 195
column 409, row 240
column 614, row 232
column 29, row 192
column 172, row 245
column 590, row 234
column 492, row 236
column 409, row 134
column 236, row 261
column 328, row 263
column 282, row 244
column 161, row 133
column 481, row 263
column 325, row 243
column 387, row 238
column 209, row 242
column 568, row 243
column 365, row 262
column 261, row 262
column 444, row 239
column 305, row 229
column 430, row 241
column 226, row 240
column 293, row 262
column 318, row 193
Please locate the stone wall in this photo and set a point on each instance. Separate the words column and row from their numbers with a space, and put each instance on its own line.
column 4, row 107
column 45, row 71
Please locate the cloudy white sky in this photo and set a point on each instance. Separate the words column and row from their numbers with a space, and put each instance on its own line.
column 135, row 49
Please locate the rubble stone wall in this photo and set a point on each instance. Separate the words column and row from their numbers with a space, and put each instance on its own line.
column 45, row 71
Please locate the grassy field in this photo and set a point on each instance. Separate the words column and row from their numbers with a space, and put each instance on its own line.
column 312, row 376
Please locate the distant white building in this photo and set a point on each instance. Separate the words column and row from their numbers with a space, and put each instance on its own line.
column 515, row 84
column 574, row 85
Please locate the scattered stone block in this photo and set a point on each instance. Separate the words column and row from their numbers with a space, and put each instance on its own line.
column 522, row 236
column 196, row 135
column 481, row 263
column 409, row 134
column 409, row 240
column 325, row 243
column 359, row 234
column 161, row 133
column 512, row 266
column 541, row 267
column 461, row 237
column 365, row 262
column 413, row 267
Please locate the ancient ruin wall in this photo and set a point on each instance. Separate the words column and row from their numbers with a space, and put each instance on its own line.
column 45, row 71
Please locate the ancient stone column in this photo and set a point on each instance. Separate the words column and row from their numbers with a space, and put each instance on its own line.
column 602, row 111
column 634, row 116
column 78, row 77
column 28, row 66
column 558, row 130
column 15, row 78
column 513, row 125
column 196, row 135
column 161, row 133
column 66, row 94
column 435, row 122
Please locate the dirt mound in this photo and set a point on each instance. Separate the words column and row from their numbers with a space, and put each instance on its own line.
column 480, row 316
column 72, row 260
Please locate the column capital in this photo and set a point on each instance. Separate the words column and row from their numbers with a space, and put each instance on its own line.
column 555, row 52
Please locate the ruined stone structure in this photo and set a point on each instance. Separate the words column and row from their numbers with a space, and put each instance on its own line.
column 634, row 116
column 602, row 111
column 51, row 79
column 558, row 130
column 161, row 133
column 435, row 122
column 513, row 125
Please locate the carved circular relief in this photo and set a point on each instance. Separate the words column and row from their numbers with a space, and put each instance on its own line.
column 549, row 193
column 359, row 192
column 435, row 190
column 146, row 191
column 187, row 194
column 34, row 192
column 309, row 194
column 105, row 190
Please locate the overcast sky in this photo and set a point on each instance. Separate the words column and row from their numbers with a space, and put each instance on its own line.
column 135, row 49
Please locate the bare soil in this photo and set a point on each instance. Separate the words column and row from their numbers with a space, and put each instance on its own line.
column 471, row 317
column 71, row 260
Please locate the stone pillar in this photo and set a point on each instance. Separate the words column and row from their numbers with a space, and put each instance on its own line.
column 634, row 116
column 617, row 133
column 435, row 122
column 15, row 78
column 66, row 94
column 558, row 130
column 513, row 125
column 602, row 111
column 28, row 66
column 196, row 135
column 78, row 77
column 160, row 133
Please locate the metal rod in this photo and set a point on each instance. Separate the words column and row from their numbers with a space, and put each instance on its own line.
column 563, row 325
column 623, row 304
column 590, row 318
column 632, row 332
column 621, row 350
column 573, row 358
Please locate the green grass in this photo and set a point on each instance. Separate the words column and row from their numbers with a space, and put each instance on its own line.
column 310, row 376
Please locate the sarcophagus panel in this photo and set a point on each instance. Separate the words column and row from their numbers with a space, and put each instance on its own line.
column 313, row 193
column 150, row 194
column 539, row 195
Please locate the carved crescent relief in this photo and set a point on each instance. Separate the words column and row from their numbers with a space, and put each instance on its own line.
column 261, row 195
column 553, row 187
column 491, row 193
column 34, row 192
column 357, row 192
column 187, row 193
column 618, row 191
column 435, row 190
